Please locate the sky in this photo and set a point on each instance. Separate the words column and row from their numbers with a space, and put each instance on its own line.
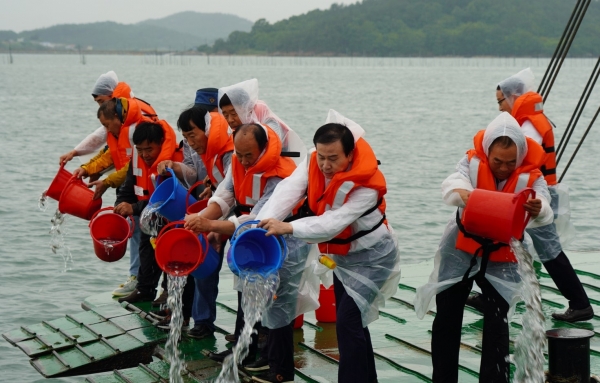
column 20, row 15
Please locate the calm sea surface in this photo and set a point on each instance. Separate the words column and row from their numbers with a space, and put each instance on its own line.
column 420, row 116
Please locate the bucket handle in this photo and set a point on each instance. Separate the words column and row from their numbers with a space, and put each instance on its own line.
column 160, row 179
column 279, row 239
column 175, row 223
column 189, row 192
column 130, row 218
column 100, row 211
column 517, row 196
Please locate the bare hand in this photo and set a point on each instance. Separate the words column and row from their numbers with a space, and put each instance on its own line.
column 275, row 227
column 197, row 224
column 207, row 181
column 533, row 207
column 101, row 187
column 80, row 173
column 162, row 167
column 464, row 194
column 67, row 157
column 206, row 194
column 125, row 209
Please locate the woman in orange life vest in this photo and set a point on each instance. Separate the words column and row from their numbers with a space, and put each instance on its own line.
column 515, row 96
column 344, row 190
column 503, row 159
column 107, row 86
column 154, row 143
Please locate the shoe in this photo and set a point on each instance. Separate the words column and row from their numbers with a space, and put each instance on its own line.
column 200, row 331
column 575, row 315
column 165, row 324
column 162, row 314
column 137, row 296
column 231, row 338
column 220, row 356
column 262, row 364
column 272, row 377
column 477, row 301
column 161, row 300
column 126, row 288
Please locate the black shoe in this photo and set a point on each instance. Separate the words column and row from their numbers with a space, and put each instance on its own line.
column 575, row 315
column 477, row 301
column 162, row 314
column 165, row 324
column 262, row 364
column 161, row 300
column 137, row 296
column 220, row 356
column 200, row 331
column 231, row 338
column 272, row 377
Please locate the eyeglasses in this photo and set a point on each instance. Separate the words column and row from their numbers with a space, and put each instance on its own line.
column 501, row 101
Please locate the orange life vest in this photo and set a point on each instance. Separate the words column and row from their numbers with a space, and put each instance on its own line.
column 123, row 90
column 219, row 143
column 249, row 185
column 482, row 178
column 530, row 106
column 364, row 172
column 144, row 174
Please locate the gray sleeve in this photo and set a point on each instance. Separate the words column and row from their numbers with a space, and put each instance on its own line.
column 268, row 191
column 227, row 161
column 463, row 166
column 187, row 155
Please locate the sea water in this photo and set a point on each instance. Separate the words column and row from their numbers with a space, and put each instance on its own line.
column 257, row 294
column 175, row 285
column 530, row 345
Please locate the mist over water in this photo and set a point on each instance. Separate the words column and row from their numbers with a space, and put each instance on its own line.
column 420, row 115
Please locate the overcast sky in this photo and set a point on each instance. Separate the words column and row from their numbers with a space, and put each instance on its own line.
column 19, row 15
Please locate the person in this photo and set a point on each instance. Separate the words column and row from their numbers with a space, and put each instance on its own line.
column 515, row 96
column 153, row 143
column 207, row 134
column 344, row 191
column 255, row 172
column 503, row 159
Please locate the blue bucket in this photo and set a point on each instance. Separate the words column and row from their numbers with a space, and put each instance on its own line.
column 172, row 195
column 211, row 261
column 253, row 250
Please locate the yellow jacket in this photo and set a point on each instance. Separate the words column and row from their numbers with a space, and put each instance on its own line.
column 102, row 161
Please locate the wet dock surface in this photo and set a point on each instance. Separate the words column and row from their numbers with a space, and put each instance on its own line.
column 129, row 347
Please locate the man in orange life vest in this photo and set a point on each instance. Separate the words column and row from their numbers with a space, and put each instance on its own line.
column 346, row 216
column 255, row 173
column 503, row 160
column 207, row 134
column 153, row 143
column 515, row 96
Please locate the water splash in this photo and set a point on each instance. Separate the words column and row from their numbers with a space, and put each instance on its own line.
column 43, row 201
column 150, row 219
column 257, row 295
column 57, row 240
column 108, row 245
column 530, row 345
column 175, row 285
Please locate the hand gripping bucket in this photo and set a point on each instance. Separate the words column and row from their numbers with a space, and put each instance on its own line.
column 253, row 251
column 178, row 251
column 110, row 233
column 76, row 199
column 195, row 207
column 496, row 215
column 172, row 197
column 326, row 311
column 59, row 182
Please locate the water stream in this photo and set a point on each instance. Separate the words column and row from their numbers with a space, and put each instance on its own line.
column 530, row 345
column 257, row 295
column 57, row 240
column 175, row 285
column 150, row 219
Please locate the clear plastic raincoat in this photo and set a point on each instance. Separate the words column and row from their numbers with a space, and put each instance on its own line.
column 517, row 85
column 451, row 264
column 371, row 270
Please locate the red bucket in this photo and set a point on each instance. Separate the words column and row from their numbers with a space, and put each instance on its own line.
column 496, row 215
column 76, row 199
column 179, row 251
column 326, row 311
column 110, row 233
column 299, row 321
column 59, row 182
column 198, row 206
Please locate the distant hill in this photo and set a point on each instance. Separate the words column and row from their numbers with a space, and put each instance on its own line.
column 180, row 31
column 422, row 28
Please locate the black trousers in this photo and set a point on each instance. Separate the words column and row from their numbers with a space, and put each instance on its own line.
column 280, row 351
column 446, row 332
column 149, row 272
column 562, row 273
column 357, row 361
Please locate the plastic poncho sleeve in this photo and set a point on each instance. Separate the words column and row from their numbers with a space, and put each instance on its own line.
column 94, row 141
column 99, row 163
column 530, row 131
column 224, row 195
column 458, row 180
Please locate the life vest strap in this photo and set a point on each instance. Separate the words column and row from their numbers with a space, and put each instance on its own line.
column 240, row 209
column 355, row 236
column 549, row 149
column 290, row 154
column 545, row 171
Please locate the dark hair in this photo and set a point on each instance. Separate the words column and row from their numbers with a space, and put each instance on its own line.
column 148, row 131
column 195, row 114
column 505, row 142
column 259, row 134
column 330, row 133
column 224, row 101
column 108, row 109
